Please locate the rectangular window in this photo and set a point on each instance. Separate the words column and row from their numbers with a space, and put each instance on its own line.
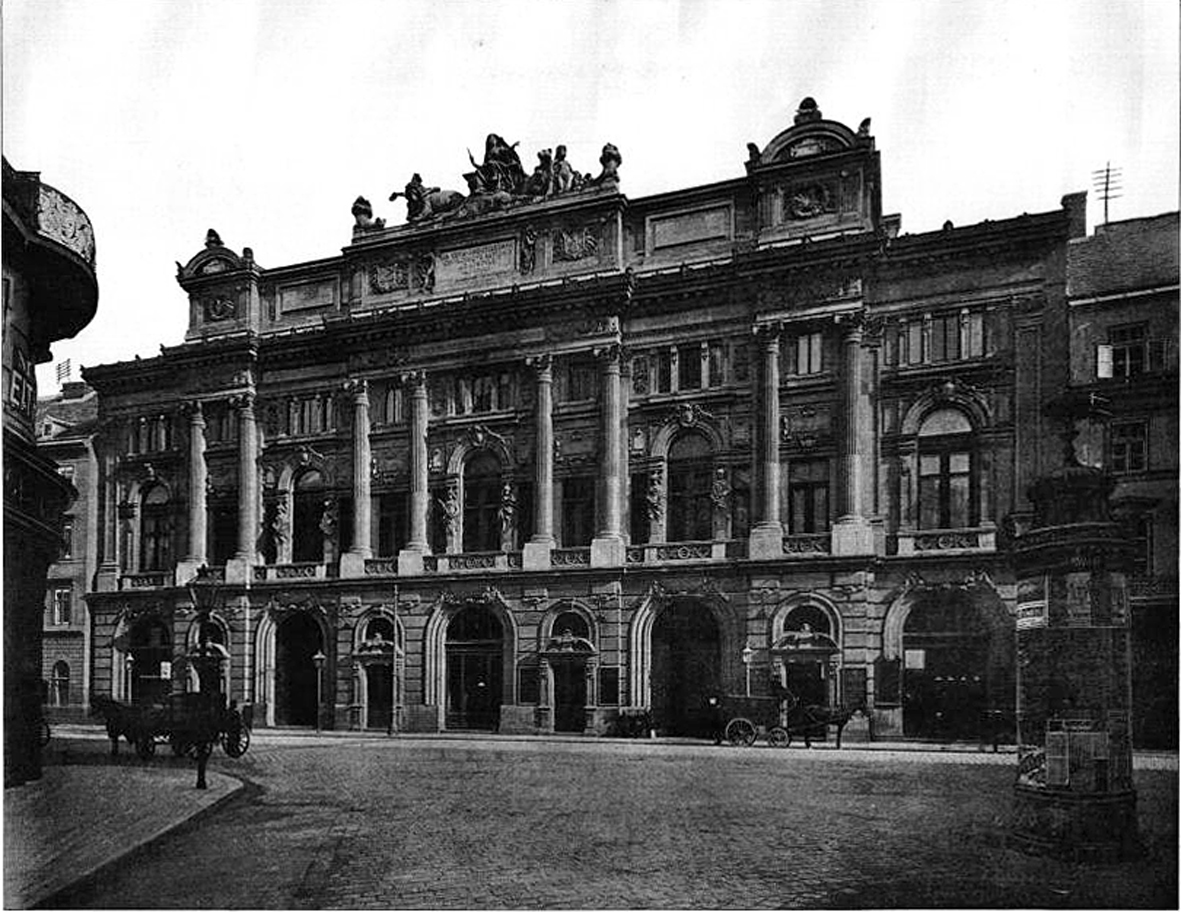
column 67, row 538
column 912, row 343
column 580, row 380
column 529, row 684
column 1129, row 446
column 689, row 367
column 1129, row 347
column 664, row 371
column 741, row 362
column 945, row 490
column 608, row 686
column 974, row 335
column 739, row 503
column 808, row 495
column 1138, row 529
column 639, row 524
column 224, row 529
column 808, row 354
column 62, row 605
column 392, row 523
column 578, row 511
column 945, row 337
column 717, row 364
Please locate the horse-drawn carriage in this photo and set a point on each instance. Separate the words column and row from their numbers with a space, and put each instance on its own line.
column 188, row 723
column 779, row 717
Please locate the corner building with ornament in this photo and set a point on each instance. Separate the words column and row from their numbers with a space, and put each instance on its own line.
column 545, row 456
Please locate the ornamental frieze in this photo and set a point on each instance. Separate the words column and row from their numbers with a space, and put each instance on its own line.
column 810, row 291
column 575, row 244
column 60, row 219
column 386, row 278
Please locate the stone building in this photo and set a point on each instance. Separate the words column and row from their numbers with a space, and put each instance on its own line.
column 545, row 454
column 1123, row 295
column 66, row 424
column 50, row 293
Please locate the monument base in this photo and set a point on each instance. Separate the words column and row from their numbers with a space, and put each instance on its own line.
column 1075, row 826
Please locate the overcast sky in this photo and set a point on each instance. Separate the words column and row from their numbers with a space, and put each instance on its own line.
column 264, row 119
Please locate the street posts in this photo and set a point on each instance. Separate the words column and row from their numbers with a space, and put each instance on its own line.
column 319, row 659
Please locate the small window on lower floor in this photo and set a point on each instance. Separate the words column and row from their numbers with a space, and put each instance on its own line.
column 609, row 686
column 1129, row 446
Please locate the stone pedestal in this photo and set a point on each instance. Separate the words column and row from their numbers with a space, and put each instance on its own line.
column 766, row 542
column 536, row 555
column 607, row 552
column 1074, row 796
column 409, row 563
column 352, row 565
column 852, row 535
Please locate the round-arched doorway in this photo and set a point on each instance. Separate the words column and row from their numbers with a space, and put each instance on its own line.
column 475, row 669
column 297, row 640
column 686, row 668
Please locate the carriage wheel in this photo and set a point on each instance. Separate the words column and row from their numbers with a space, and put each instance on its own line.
column 145, row 747
column 235, row 744
column 779, row 737
column 741, row 732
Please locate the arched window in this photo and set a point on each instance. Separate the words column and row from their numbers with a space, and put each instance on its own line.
column 307, row 540
column 690, row 477
column 481, row 503
column 947, row 487
column 155, row 530
column 59, row 685
column 381, row 628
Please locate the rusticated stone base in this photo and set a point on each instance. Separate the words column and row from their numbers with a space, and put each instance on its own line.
column 518, row 720
column 1075, row 826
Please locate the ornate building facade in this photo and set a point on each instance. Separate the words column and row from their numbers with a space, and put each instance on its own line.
column 50, row 293
column 545, row 455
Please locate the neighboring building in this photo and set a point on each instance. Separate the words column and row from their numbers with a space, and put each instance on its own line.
column 1122, row 284
column 545, row 455
column 50, row 293
column 65, row 433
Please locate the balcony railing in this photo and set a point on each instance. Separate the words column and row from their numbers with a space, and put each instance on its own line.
column 914, row 541
column 570, row 557
column 1141, row 586
column 807, row 543
column 294, row 572
column 678, row 552
column 153, row 580
column 381, row 566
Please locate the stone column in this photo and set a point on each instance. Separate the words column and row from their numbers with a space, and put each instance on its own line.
column 107, row 579
column 536, row 552
column 352, row 564
column 607, row 548
column 198, row 516
column 410, row 558
column 851, row 533
column 766, row 538
column 240, row 568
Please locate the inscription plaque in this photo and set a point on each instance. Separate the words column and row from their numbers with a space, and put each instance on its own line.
column 691, row 227
column 473, row 262
column 307, row 297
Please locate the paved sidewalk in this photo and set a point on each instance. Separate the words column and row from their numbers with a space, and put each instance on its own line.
column 76, row 819
column 87, row 811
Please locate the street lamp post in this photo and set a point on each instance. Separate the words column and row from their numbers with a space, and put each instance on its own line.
column 747, row 657
column 207, row 663
column 319, row 658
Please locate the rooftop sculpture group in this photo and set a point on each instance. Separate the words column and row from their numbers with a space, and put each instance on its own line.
column 498, row 182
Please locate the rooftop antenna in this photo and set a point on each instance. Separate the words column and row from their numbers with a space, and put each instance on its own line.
column 1107, row 185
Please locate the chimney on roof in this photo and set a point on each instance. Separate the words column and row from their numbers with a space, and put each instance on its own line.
column 1075, row 205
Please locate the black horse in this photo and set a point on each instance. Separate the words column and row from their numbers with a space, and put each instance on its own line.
column 811, row 720
column 122, row 721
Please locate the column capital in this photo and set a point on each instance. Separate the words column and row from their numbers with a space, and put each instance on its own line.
column 357, row 387
column 609, row 354
column 540, row 364
column 415, row 379
column 192, row 408
column 852, row 324
column 242, row 401
column 767, row 333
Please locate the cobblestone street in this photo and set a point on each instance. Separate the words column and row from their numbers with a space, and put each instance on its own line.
column 368, row 823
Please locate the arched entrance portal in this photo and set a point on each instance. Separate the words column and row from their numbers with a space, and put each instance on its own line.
column 297, row 640
column 686, row 667
column 954, row 667
column 475, row 669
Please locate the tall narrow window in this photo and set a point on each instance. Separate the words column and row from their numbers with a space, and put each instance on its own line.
column 947, row 492
column 689, row 366
column 307, row 536
column 59, row 685
column 62, row 598
column 690, row 481
column 806, row 356
column 808, row 494
column 945, row 337
column 481, row 503
column 578, row 511
column 392, row 523
column 639, row 525
column 224, row 529
column 156, row 530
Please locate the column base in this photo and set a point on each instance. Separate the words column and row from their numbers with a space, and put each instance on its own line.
column 766, row 542
column 852, row 535
column 410, row 562
column 1078, row 827
column 352, row 565
column 186, row 570
column 536, row 555
column 107, row 578
column 240, row 570
column 608, row 552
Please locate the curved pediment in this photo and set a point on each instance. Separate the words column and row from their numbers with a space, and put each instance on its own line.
column 214, row 260
column 809, row 136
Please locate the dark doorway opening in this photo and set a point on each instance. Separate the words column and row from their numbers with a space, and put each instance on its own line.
column 379, row 684
column 297, row 640
column 151, row 647
column 569, row 696
column 475, row 675
column 686, row 668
